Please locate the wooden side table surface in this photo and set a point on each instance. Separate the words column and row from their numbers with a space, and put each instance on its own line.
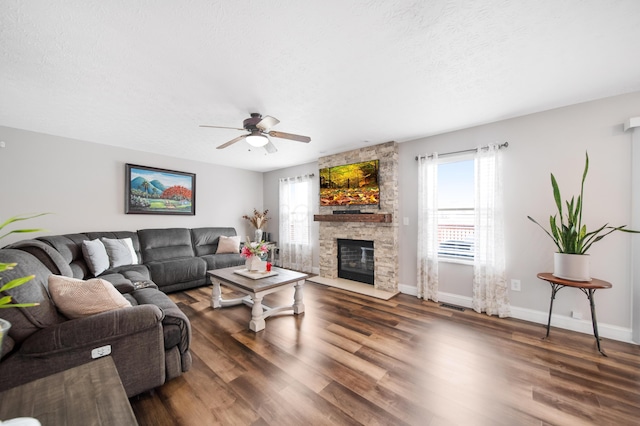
column 90, row 394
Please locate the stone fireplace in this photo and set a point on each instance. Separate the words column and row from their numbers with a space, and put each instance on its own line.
column 379, row 225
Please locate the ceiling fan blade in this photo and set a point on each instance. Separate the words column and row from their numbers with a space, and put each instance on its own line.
column 266, row 123
column 232, row 141
column 221, row 127
column 271, row 148
column 291, row 136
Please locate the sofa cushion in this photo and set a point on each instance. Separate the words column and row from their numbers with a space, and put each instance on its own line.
column 120, row 251
column 164, row 244
column 219, row 261
column 70, row 247
column 95, row 254
column 176, row 271
column 78, row 298
column 205, row 240
column 228, row 245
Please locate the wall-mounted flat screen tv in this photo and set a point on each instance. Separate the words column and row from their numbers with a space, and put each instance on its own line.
column 350, row 184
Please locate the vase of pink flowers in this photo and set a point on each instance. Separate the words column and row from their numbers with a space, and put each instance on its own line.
column 254, row 252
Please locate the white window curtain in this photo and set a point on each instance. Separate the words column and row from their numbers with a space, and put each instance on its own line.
column 489, row 283
column 295, row 223
column 428, row 227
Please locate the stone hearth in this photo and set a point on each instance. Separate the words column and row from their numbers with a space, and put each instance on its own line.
column 383, row 235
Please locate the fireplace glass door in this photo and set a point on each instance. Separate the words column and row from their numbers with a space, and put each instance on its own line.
column 355, row 260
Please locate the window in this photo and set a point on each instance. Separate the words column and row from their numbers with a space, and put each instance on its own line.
column 298, row 225
column 456, row 209
column 295, row 223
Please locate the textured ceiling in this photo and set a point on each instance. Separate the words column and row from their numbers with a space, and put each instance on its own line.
column 145, row 74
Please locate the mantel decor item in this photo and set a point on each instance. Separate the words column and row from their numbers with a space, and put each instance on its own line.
column 258, row 220
column 570, row 235
column 149, row 190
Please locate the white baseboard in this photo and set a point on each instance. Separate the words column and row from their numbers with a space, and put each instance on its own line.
column 613, row 332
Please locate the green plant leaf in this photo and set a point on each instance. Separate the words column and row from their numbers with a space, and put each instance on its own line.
column 556, row 195
column 19, row 218
column 7, row 266
column 17, row 282
column 18, row 305
column 555, row 241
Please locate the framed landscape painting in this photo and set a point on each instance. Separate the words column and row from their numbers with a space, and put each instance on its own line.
column 158, row 191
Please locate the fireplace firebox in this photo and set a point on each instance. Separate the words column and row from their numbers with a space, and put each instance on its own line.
column 355, row 260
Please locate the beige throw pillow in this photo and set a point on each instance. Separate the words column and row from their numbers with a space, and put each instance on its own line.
column 78, row 298
column 228, row 244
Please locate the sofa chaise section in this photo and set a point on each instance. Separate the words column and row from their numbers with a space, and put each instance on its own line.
column 42, row 341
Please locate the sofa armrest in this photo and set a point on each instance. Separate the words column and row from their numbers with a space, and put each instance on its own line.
column 172, row 314
column 92, row 330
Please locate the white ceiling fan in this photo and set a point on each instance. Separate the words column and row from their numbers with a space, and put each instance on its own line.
column 259, row 129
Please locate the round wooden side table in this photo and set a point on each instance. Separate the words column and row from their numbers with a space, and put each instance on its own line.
column 587, row 287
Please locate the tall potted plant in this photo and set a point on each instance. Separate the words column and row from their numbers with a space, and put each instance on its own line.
column 570, row 235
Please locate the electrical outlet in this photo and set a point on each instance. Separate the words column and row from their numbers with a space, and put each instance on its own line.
column 576, row 314
column 515, row 285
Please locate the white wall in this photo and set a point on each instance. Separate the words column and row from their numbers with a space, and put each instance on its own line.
column 83, row 184
column 549, row 142
column 272, row 200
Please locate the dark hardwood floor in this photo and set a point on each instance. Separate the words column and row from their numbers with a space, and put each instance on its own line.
column 351, row 359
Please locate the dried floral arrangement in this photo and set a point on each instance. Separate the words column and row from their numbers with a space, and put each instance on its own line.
column 258, row 220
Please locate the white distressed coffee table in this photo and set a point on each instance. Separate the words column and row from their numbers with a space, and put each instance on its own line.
column 256, row 289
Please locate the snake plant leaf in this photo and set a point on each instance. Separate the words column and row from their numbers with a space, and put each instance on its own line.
column 547, row 232
column 556, row 194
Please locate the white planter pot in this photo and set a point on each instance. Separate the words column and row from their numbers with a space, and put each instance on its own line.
column 573, row 267
column 254, row 263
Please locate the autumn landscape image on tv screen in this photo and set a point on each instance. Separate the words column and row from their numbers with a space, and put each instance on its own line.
column 350, row 184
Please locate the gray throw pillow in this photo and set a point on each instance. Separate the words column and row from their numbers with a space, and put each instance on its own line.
column 120, row 251
column 96, row 256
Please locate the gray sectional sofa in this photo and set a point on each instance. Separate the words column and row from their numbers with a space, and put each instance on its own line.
column 149, row 341
column 173, row 258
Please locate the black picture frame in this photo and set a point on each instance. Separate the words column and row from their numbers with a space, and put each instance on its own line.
column 150, row 190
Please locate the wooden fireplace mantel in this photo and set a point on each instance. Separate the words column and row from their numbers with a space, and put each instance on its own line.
column 371, row 218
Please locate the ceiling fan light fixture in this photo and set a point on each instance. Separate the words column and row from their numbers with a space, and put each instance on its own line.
column 257, row 139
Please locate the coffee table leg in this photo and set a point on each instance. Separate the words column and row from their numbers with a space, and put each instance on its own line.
column 298, row 306
column 216, row 295
column 257, row 314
